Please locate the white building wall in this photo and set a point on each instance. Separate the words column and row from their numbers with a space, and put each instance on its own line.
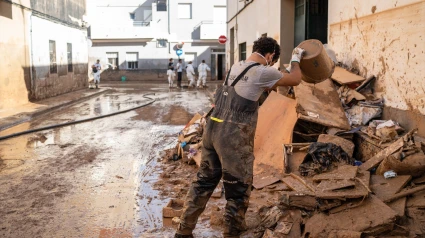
column 112, row 30
column 62, row 81
column 257, row 18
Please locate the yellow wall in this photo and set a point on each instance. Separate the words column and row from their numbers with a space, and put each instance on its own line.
column 14, row 56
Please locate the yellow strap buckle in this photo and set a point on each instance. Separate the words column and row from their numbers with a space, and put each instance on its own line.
column 216, row 119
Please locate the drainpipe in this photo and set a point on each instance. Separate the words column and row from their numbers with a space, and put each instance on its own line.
column 169, row 31
column 31, row 66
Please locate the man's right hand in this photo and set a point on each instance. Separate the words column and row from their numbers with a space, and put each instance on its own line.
column 297, row 54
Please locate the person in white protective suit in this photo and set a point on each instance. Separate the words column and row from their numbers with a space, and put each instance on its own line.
column 202, row 70
column 190, row 74
column 96, row 73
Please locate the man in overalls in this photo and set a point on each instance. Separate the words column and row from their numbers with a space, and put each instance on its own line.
column 228, row 139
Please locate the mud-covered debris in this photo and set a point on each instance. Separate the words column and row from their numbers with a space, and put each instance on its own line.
column 322, row 157
column 174, row 208
column 270, row 216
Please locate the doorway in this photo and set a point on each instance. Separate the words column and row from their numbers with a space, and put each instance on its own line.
column 311, row 20
column 220, row 66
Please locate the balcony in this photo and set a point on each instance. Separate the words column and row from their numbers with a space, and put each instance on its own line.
column 209, row 30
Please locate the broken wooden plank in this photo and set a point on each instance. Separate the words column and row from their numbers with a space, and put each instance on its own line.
column 399, row 206
column 320, row 103
column 380, row 156
column 342, row 172
column 343, row 76
column 385, row 188
column 331, row 185
column 276, row 120
column 296, row 185
column 346, row 145
column 261, row 181
column 371, row 217
column 405, row 192
column 299, row 200
column 302, row 181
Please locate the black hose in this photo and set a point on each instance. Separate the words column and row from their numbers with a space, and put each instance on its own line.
column 76, row 122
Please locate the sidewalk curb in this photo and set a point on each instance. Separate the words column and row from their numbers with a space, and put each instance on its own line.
column 27, row 116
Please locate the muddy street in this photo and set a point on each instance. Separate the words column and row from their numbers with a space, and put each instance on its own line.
column 94, row 179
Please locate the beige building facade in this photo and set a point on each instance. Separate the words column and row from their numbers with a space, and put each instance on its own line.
column 380, row 38
column 43, row 50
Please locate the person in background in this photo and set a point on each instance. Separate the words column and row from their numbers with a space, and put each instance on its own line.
column 202, row 70
column 190, row 72
column 171, row 76
column 96, row 72
column 170, row 63
column 228, row 138
column 179, row 73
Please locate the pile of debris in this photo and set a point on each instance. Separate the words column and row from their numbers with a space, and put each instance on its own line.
column 340, row 173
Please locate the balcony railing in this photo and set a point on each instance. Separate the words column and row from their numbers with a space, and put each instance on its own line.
column 141, row 23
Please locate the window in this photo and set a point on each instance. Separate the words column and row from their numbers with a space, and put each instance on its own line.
column 112, row 59
column 185, row 10
column 161, row 43
column 69, row 54
column 161, row 5
column 52, row 52
column 242, row 51
column 132, row 15
column 132, row 60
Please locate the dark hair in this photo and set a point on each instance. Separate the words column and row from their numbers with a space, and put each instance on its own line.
column 203, row 61
column 264, row 45
column 276, row 53
column 180, row 60
column 171, row 59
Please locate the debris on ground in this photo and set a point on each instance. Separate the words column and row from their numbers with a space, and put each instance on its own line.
column 342, row 171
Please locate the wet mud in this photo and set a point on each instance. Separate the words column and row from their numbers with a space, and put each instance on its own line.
column 94, row 179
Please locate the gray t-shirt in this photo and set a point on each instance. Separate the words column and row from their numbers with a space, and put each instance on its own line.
column 255, row 81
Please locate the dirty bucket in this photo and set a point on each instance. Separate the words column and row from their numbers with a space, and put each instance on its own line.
column 316, row 66
column 123, row 78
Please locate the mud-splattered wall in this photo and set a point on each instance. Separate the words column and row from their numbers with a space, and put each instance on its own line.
column 15, row 81
column 385, row 39
column 70, row 11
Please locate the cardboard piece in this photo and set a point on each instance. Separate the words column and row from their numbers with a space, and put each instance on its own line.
column 416, row 200
column 342, row 172
column 261, row 181
column 276, row 120
column 343, row 76
column 371, row 217
column 332, row 185
column 385, row 188
column 358, row 191
column 399, row 206
column 320, row 103
column 405, row 192
column 297, row 185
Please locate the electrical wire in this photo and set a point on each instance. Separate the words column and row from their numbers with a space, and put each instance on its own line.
column 78, row 121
